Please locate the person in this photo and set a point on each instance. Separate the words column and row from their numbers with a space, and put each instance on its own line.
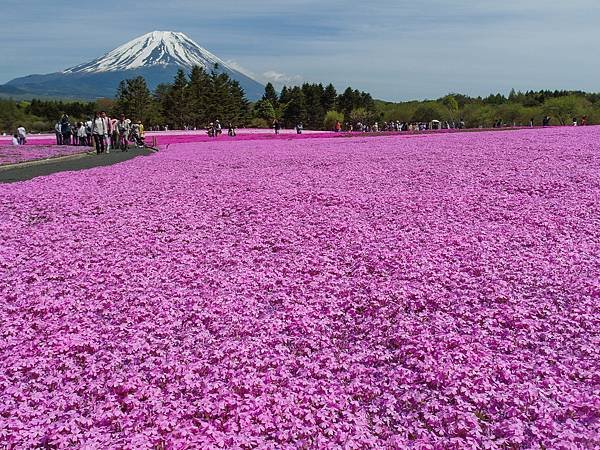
column 65, row 129
column 123, row 131
column 22, row 135
column 276, row 126
column 584, row 120
column 81, row 134
column 230, row 130
column 218, row 129
column 75, row 133
column 58, row 133
column 210, row 130
column 574, row 121
column 15, row 139
column 88, row 132
column 98, row 132
column 107, row 130
column 338, row 126
column 114, row 135
column 299, row 128
column 137, row 134
column 531, row 122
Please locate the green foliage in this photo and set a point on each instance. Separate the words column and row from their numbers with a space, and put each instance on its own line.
column 135, row 101
column 271, row 96
column 565, row 108
column 263, row 109
column 331, row 118
column 519, row 108
column 294, row 111
column 40, row 115
column 428, row 111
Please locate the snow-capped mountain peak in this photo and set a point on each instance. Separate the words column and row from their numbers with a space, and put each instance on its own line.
column 158, row 48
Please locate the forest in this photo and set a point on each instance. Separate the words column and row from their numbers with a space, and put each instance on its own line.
column 196, row 98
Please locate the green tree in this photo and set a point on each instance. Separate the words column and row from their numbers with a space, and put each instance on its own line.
column 271, row 95
column 135, row 100
column 429, row 111
column 329, row 97
column 175, row 106
column 263, row 109
column 565, row 108
column 451, row 105
column 331, row 118
column 294, row 111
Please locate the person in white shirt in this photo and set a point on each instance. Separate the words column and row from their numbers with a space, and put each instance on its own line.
column 15, row 139
column 22, row 135
column 81, row 134
column 58, row 133
column 98, row 132
column 107, row 130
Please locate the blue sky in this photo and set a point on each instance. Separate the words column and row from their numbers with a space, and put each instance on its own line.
column 395, row 49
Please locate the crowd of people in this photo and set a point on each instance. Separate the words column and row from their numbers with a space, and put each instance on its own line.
column 214, row 129
column 101, row 132
column 105, row 133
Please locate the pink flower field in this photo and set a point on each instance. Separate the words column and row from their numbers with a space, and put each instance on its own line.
column 24, row 153
column 427, row 292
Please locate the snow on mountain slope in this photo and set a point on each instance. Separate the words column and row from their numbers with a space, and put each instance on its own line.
column 159, row 48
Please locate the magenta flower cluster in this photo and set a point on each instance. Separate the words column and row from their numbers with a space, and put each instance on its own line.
column 426, row 292
column 24, row 153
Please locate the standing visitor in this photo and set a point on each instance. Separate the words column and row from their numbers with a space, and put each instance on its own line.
column 230, row 130
column 114, row 135
column 218, row 129
column 338, row 126
column 65, row 129
column 15, row 139
column 299, row 128
column 81, row 133
column 276, row 126
column 22, row 135
column 107, row 131
column 58, row 133
column 88, row 132
column 531, row 122
column 123, row 131
column 98, row 132
column 574, row 121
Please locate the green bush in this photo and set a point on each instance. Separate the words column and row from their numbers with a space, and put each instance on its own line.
column 331, row 118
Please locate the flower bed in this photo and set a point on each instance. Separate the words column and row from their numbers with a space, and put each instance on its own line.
column 24, row 153
column 433, row 292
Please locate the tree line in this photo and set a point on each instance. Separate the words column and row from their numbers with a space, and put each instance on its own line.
column 518, row 108
column 197, row 98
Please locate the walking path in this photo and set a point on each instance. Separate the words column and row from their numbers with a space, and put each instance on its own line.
column 31, row 169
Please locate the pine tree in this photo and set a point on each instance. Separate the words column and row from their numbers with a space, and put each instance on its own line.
column 294, row 111
column 175, row 105
column 135, row 100
column 329, row 97
column 271, row 95
column 198, row 95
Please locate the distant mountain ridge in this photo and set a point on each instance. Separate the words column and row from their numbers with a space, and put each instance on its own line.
column 156, row 56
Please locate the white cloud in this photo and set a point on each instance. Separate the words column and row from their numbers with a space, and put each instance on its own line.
column 236, row 66
column 281, row 78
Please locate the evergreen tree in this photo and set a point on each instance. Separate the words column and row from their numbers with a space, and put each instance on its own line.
column 329, row 97
column 263, row 109
column 271, row 95
column 135, row 100
column 198, row 96
column 294, row 111
column 175, row 105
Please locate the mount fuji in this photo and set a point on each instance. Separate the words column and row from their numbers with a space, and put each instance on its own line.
column 156, row 56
